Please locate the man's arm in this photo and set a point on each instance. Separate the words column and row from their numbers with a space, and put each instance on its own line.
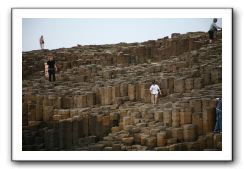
column 216, row 26
column 159, row 90
column 56, row 69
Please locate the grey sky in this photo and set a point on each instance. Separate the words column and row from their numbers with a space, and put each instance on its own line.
column 66, row 33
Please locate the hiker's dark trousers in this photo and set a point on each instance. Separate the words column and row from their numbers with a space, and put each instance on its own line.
column 218, row 124
column 51, row 72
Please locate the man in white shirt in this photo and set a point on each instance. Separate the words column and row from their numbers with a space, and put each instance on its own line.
column 154, row 89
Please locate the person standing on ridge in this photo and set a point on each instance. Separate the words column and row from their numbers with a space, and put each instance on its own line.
column 154, row 89
column 212, row 30
column 218, row 124
column 41, row 41
column 51, row 68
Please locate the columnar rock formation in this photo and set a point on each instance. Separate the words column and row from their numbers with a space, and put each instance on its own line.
column 101, row 98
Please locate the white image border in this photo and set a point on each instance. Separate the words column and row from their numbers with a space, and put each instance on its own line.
column 19, row 155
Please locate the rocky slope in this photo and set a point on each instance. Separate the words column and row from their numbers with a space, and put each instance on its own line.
column 101, row 98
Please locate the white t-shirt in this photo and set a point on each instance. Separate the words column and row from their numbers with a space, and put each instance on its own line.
column 154, row 89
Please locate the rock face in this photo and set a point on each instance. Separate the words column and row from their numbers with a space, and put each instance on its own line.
column 101, row 99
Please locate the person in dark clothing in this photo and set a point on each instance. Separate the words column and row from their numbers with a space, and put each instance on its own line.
column 213, row 29
column 51, row 68
column 218, row 124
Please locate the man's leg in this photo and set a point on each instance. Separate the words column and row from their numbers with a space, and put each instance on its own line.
column 220, row 121
column 152, row 98
column 54, row 78
column 155, row 96
column 211, row 34
column 49, row 75
column 217, row 124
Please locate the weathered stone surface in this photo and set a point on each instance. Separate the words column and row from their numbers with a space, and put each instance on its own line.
column 91, row 98
column 176, row 117
column 171, row 141
column 132, row 92
column 75, row 130
column 197, row 119
column 151, row 142
column 208, row 120
column 101, row 101
column 167, row 117
column 216, row 75
column 158, row 116
column 80, row 101
column 189, row 132
column 189, row 84
column 108, row 95
column 177, row 133
column 47, row 113
column 185, row 117
column 128, row 141
column 196, row 105
column 161, row 139
column 124, row 89
column 179, row 85
column 127, row 121
column 217, row 138
column 115, row 93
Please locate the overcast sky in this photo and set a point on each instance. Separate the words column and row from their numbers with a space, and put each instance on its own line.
column 66, row 33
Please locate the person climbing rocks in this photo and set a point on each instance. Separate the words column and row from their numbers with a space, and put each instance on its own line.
column 154, row 89
column 41, row 41
column 52, row 68
column 212, row 30
column 218, row 124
